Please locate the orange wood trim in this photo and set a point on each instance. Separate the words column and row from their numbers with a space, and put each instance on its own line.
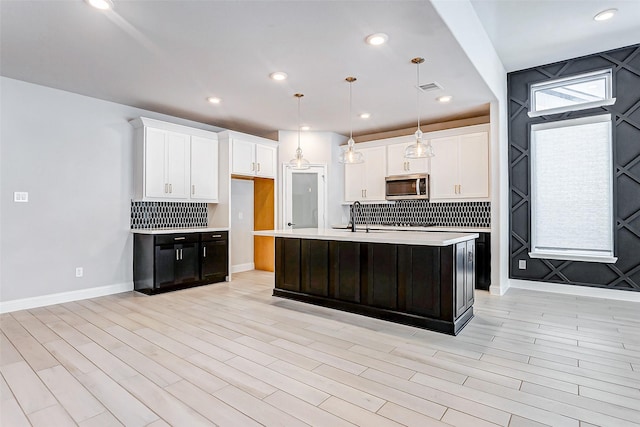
column 264, row 253
column 263, row 204
column 263, row 219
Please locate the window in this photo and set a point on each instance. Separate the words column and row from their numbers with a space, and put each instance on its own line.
column 571, row 93
column 572, row 190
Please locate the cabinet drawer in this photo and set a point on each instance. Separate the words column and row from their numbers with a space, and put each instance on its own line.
column 170, row 239
column 214, row 235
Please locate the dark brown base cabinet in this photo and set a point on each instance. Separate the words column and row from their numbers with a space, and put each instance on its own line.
column 167, row 262
column 426, row 286
column 483, row 261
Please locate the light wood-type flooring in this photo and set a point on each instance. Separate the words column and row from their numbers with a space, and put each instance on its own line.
column 230, row 354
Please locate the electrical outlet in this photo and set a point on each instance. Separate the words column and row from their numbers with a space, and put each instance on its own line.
column 79, row 271
column 21, row 196
column 522, row 264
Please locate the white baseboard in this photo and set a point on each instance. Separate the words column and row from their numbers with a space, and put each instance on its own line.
column 238, row 268
column 583, row 291
column 62, row 297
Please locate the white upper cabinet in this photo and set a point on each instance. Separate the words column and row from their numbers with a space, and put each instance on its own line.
column 178, row 165
column 266, row 160
column 204, row 177
column 460, row 168
column 252, row 156
column 397, row 164
column 366, row 181
column 174, row 162
column 243, row 157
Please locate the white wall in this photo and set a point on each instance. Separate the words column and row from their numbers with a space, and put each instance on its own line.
column 318, row 148
column 461, row 19
column 241, row 235
column 73, row 154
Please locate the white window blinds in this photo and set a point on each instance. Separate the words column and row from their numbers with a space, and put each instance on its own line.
column 572, row 189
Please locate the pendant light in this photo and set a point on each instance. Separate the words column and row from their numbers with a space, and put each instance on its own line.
column 298, row 162
column 349, row 155
column 418, row 150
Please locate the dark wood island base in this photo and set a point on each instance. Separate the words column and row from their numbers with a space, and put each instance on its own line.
column 430, row 287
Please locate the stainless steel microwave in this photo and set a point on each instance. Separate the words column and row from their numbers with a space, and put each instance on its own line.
column 407, row 187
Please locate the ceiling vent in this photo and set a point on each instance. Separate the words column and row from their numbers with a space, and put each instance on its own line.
column 428, row 87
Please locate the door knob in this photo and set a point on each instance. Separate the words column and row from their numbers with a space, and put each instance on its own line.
column 290, row 224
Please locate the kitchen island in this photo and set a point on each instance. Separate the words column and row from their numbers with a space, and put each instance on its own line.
column 423, row 279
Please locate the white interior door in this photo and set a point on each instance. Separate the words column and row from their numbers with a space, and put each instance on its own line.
column 305, row 197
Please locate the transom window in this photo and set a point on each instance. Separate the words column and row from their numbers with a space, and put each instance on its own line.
column 579, row 92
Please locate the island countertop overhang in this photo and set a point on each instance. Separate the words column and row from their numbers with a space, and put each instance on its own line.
column 421, row 238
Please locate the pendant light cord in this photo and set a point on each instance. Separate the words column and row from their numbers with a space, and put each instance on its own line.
column 350, row 110
column 299, row 97
column 418, row 91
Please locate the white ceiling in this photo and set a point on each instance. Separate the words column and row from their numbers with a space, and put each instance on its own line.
column 528, row 33
column 170, row 55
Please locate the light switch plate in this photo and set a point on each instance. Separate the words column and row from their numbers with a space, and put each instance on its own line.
column 522, row 264
column 21, row 196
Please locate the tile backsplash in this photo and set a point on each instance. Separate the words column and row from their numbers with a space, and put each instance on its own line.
column 168, row 215
column 452, row 214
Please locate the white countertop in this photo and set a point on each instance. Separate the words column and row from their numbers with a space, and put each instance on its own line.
column 435, row 238
column 177, row 230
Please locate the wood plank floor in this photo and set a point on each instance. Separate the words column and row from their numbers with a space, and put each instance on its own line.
column 232, row 355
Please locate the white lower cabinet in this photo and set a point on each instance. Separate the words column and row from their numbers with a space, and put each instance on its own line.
column 175, row 163
column 366, row 181
column 460, row 168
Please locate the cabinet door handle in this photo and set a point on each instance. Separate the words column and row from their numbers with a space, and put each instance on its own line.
column 470, row 257
column 258, row 167
column 179, row 238
column 180, row 253
column 166, row 188
column 193, row 189
column 253, row 166
column 216, row 236
column 170, row 188
column 459, row 188
column 177, row 254
column 204, row 252
column 408, row 166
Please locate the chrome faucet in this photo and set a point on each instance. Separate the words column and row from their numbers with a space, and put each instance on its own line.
column 353, row 216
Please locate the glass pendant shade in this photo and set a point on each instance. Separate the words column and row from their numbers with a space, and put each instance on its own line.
column 349, row 155
column 419, row 149
column 299, row 162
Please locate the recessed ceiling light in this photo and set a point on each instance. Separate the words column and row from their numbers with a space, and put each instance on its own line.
column 100, row 4
column 214, row 100
column 278, row 75
column 605, row 15
column 444, row 98
column 365, row 115
column 377, row 39
column 305, row 127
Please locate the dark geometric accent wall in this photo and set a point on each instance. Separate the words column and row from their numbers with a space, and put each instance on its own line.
column 625, row 273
